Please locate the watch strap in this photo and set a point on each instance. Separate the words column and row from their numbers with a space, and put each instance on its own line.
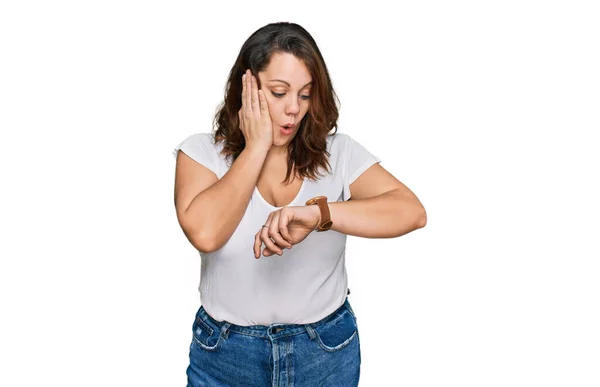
column 321, row 201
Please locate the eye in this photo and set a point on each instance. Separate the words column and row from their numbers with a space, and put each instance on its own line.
column 280, row 95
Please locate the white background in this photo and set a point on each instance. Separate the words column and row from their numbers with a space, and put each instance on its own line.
column 486, row 110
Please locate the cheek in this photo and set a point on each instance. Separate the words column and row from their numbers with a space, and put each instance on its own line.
column 273, row 108
column 271, row 103
column 305, row 108
column 276, row 107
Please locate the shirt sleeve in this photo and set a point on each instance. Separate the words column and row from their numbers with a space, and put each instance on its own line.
column 200, row 148
column 357, row 160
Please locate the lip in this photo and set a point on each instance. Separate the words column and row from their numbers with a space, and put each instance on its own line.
column 290, row 126
column 286, row 132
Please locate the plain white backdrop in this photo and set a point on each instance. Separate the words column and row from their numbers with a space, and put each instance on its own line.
column 486, row 110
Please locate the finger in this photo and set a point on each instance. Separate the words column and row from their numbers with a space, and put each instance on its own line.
column 254, row 96
column 264, row 236
column 244, row 91
column 240, row 117
column 266, row 252
column 248, row 91
column 284, row 219
column 274, row 231
column 257, row 245
column 264, row 106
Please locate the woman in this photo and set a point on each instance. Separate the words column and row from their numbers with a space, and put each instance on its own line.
column 283, row 320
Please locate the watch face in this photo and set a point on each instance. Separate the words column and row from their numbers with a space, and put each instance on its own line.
column 316, row 199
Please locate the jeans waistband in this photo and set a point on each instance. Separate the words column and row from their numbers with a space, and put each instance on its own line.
column 272, row 330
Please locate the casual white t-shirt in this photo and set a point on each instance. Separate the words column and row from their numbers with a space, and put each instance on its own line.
column 306, row 283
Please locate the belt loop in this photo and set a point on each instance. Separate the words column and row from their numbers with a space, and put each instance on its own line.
column 311, row 331
column 225, row 330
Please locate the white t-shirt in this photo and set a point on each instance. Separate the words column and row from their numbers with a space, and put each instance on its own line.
column 306, row 283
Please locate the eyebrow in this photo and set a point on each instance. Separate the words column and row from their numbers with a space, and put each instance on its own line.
column 280, row 80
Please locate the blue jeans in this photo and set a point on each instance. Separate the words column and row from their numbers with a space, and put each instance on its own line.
column 324, row 353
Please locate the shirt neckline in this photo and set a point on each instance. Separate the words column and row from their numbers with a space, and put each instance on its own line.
column 294, row 200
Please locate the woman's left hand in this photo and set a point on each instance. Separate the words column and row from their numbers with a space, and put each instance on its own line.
column 286, row 227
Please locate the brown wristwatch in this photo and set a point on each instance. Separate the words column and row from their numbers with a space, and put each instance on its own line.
column 321, row 201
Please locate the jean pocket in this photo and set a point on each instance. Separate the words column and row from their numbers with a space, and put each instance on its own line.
column 337, row 333
column 205, row 336
column 347, row 304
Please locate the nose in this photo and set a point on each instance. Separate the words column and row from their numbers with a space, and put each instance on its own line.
column 292, row 107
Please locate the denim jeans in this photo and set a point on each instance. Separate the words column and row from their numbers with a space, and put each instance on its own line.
column 324, row 353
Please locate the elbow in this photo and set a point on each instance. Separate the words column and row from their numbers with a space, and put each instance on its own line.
column 418, row 216
column 422, row 219
column 201, row 239
column 412, row 221
column 203, row 243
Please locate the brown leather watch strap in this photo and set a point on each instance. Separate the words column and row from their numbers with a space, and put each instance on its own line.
column 321, row 201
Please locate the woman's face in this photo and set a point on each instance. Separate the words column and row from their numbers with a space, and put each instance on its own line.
column 286, row 83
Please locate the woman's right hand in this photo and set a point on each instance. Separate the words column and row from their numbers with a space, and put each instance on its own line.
column 255, row 119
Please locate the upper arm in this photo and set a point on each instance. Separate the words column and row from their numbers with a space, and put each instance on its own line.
column 191, row 178
column 375, row 181
column 364, row 176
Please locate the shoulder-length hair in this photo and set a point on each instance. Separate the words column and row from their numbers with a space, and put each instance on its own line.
column 308, row 149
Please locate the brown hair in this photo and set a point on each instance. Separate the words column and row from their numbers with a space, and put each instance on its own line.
column 308, row 149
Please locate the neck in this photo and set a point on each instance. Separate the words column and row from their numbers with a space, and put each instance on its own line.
column 277, row 153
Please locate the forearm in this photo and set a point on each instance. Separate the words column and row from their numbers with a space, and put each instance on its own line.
column 385, row 216
column 217, row 211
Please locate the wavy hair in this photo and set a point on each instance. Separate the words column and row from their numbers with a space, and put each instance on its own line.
column 308, row 149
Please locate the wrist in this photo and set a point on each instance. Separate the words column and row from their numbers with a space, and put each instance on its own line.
column 317, row 212
column 324, row 223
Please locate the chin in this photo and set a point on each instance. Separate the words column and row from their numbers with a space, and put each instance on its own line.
column 281, row 141
column 281, row 138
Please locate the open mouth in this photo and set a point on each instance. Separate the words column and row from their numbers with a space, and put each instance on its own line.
column 287, row 129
